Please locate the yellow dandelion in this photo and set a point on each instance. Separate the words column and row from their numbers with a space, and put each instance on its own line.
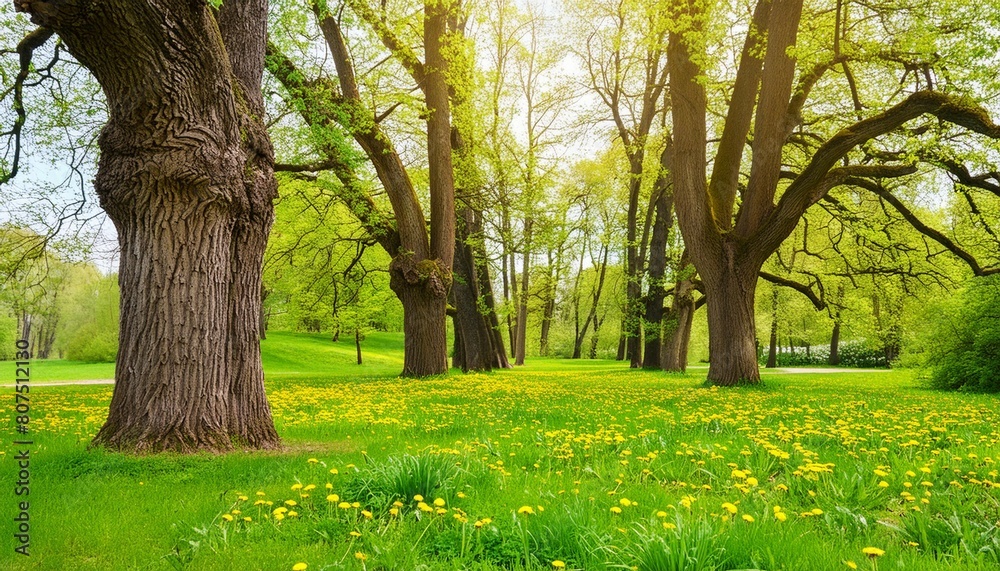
column 526, row 510
column 299, row 567
column 873, row 552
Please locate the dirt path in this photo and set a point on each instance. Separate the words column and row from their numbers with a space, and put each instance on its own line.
column 795, row 370
column 60, row 383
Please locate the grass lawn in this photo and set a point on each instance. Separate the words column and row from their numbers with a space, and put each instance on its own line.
column 584, row 463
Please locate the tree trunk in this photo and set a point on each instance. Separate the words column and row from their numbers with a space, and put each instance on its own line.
column 658, row 263
column 622, row 343
column 632, row 318
column 732, row 347
column 493, row 322
column 594, row 339
column 185, row 174
column 772, row 351
column 357, row 343
column 423, row 290
column 835, row 344
column 549, row 302
column 547, row 313
column 473, row 339
column 522, row 301
column 677, row 332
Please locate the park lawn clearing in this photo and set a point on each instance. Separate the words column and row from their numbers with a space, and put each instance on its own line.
column 584, row 464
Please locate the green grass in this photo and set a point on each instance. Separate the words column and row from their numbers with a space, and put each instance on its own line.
column 572, row 440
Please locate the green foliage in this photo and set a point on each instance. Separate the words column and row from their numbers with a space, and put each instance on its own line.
column 689, row 547
column 966, row 352
column 89, row 318
column 402, row 478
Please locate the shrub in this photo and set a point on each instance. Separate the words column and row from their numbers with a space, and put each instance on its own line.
column 966, row 355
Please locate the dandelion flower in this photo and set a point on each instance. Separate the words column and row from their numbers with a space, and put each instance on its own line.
column 527, row 510
column 873, row 552
column 299, row 567
column 557, row 564
column 439, row 502
column 729, row 507
column 748, row 518
column 360, row 556
column 851, row 564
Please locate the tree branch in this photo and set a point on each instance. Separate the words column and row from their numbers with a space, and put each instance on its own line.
column 25, row 49
column 403, row 52
column 804, row 289
column 726, row 168
column 924, row 229
column 809, row 186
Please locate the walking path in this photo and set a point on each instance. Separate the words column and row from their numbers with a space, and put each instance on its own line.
column 60, row 383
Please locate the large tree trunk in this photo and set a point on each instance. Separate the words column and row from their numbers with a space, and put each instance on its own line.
column 186, row 175
column 732, row 337
column 423, row 291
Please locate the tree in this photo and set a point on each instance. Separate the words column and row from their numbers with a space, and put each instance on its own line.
column 185, row 174
column 624, row 55
column 422, row 258
column 729, row 245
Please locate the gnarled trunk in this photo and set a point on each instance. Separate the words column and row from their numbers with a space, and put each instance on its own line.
column 422, row 287
column 186, row 175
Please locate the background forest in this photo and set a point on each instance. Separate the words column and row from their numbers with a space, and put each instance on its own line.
column 563, row 117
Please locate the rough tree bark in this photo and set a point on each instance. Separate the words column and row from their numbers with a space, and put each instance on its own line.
column 186, row 175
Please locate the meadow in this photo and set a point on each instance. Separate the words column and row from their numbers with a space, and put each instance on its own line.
column 556, row 465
